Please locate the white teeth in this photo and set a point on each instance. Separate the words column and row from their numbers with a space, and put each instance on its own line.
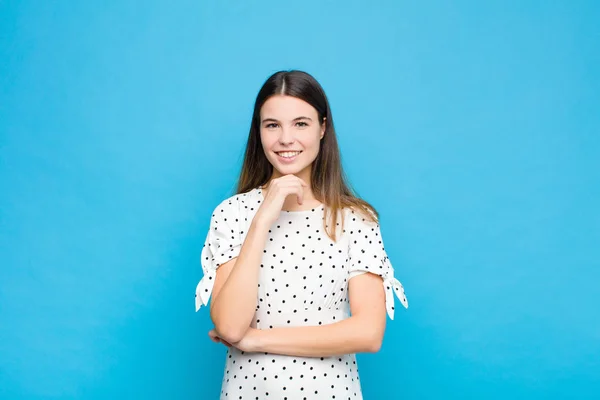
column 289, row 154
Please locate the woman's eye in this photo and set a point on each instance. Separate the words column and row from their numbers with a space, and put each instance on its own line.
column 302, row 124
column 271, row 125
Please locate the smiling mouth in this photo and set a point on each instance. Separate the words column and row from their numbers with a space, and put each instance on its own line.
column 288, row 154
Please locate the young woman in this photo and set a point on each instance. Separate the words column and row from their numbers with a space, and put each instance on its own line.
column 299, row 276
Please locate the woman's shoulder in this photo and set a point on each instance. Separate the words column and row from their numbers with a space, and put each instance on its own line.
column 359, row 215
column 238, row 203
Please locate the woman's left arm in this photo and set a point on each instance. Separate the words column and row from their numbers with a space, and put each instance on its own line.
column 361, row 332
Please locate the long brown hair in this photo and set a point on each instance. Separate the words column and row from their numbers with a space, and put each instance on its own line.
column 328, row 181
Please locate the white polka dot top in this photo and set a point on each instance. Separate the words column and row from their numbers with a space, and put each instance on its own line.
column 303, row 281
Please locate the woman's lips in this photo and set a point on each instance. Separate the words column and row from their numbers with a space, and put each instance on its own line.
column 287, row 160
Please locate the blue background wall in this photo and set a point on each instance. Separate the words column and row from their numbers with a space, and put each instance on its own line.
column 473, row 128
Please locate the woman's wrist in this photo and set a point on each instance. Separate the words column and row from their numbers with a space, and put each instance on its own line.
column 260, row 223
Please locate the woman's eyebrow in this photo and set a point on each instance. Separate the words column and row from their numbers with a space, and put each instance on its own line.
column 299, row 118
column 295, row 119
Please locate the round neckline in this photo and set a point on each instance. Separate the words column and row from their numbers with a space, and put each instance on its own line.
column 310, row 210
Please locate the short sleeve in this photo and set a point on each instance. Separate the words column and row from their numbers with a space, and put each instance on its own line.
column 222, row 243
column 367, row 254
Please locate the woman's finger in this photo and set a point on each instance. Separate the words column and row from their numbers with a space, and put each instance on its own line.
column 303, row 182
column 214, row 336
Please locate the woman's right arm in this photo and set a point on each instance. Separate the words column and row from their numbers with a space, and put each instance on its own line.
column 236, row 284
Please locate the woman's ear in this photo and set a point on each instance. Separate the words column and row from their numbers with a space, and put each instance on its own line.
column 323, row 127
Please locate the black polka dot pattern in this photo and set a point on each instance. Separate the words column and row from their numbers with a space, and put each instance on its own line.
column 303, row 281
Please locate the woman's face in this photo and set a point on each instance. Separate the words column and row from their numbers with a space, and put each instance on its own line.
column 291, row 135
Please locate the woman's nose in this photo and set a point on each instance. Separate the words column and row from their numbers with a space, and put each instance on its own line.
column 286, row 136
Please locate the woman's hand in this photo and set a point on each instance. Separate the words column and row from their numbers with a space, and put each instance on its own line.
column 214, row 336
column 249, row 343
column 277, row 191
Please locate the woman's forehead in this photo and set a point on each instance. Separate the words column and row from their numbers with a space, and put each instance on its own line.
column 286, row 108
